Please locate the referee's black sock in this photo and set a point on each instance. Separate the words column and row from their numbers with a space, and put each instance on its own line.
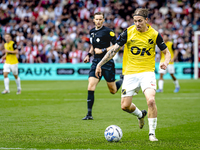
column 90, row 102
column 118, row 84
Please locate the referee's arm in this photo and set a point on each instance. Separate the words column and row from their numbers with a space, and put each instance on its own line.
column 91, row 52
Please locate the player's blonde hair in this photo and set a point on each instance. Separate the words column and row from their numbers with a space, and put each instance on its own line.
column 8, row 34
column 99, row 13
column 141, row 12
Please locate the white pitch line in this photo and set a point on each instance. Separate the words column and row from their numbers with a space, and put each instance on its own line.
column 38, row 149
column 84, row 99
column 141, row 98
column 10, row 148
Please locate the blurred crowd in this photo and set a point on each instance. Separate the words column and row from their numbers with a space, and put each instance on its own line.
column 57, row 31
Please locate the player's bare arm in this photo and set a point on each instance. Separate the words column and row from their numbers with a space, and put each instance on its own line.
column 109, row 55
column 91, row 52
column 12, row 52
column 99, row 51
column 167, row 54
column 175, row 55
column 3, row 57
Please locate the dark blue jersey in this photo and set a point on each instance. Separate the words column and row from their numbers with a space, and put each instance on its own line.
column 102, row 38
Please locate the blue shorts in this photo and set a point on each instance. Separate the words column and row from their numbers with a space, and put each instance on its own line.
column 108, row 72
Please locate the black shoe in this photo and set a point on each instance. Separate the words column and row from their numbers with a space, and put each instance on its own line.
column 121, row 77
column 88, row 118
column 141, row 120
column 144, row 113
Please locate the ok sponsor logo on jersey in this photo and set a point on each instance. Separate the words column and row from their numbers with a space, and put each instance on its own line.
column 141, row 51
column 138, row 51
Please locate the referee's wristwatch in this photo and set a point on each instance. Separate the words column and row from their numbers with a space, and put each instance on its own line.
column 104, row 49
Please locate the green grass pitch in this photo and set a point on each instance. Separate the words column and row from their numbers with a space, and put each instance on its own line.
column 48, row 115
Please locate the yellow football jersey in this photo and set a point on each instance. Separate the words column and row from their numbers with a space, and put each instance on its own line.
column 170, row 48
column 139, row 49
column 11, row 58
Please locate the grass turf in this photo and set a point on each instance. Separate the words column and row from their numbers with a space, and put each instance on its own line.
column 48, row 115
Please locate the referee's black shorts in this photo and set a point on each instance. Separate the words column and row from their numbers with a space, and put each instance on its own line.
column 108, row 71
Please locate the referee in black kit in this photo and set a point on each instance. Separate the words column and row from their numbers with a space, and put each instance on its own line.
column 100, row 37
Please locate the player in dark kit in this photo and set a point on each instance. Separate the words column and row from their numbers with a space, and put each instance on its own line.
column 100, row 37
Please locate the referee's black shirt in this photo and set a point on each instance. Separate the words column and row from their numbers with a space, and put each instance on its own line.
column 102, row 38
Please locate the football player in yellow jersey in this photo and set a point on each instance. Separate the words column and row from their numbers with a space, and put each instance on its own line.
column 170, row 67
column 11, row 64
column 139, row 42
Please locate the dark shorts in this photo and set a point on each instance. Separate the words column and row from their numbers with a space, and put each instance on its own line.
column 108, row 72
